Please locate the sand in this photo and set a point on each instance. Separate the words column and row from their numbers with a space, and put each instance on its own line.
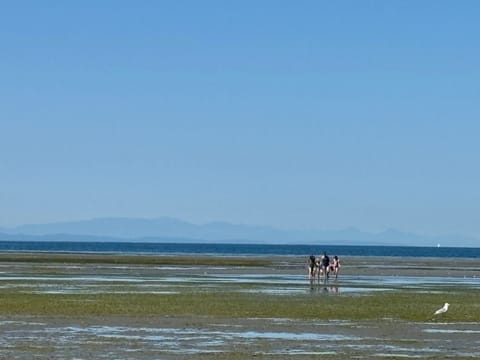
column 33, row 336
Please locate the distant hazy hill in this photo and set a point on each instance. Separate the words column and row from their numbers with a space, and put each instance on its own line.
column 169, row 229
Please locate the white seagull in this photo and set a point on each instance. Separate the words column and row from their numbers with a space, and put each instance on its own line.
column 442, row 310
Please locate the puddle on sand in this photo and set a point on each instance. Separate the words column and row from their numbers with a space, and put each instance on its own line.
column 93, row 292
column 451, row 331
column 169, row 281
column 294, row 352
column 381, row 349
column 20, row 323
column 420, row 281
column 394, row 355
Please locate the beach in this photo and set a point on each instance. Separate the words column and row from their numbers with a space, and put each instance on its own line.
column 104, row 306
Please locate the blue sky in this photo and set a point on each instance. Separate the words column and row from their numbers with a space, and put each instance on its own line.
column 295, row 114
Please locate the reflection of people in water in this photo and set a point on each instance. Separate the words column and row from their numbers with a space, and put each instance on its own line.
column 331, row 289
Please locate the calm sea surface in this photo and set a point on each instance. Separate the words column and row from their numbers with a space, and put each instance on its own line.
column 235, row 249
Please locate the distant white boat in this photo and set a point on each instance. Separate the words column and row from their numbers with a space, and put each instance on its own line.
column 438, row 245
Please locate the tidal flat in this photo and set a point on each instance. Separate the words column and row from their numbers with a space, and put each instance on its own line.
column 105, row 306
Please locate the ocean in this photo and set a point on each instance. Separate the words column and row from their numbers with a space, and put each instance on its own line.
column 223, row 249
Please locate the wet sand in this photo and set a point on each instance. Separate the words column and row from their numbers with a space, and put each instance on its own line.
column 200, row 338
column 194, row 337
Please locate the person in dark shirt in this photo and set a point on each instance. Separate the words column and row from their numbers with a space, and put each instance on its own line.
column 311, row 266
column 325, row 263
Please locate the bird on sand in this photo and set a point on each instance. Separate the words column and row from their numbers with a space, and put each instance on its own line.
column 442, row 310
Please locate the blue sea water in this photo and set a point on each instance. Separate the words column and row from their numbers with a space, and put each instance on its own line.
column 235, row 249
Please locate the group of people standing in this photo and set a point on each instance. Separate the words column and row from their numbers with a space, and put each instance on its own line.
column 322, row 266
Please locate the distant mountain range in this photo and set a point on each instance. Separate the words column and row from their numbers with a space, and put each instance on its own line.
column 167, row 229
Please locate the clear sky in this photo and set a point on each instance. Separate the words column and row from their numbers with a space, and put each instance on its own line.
column 295, row 114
